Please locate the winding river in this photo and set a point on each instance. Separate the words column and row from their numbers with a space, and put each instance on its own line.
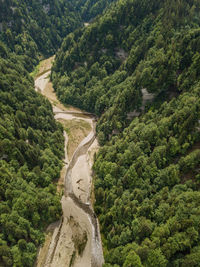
column 76, row 239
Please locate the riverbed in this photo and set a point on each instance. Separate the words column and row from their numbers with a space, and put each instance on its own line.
column 75, row 239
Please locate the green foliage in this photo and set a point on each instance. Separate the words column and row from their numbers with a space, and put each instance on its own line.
column 145, row 186
column 31, row 149
column 132, row 260
column 103, row 67
column 31, row 142
column 89, row 9
column 147, row 172
column 36, row 27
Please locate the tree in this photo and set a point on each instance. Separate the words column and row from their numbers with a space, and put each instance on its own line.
column 156, row 258
column 132, row 260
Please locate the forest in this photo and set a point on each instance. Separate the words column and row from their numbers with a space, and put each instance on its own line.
column 31, row 149
column 36, row 28
column 31, row 141
column 146, row 173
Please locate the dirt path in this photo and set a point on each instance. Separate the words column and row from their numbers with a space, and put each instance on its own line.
column 75, row 240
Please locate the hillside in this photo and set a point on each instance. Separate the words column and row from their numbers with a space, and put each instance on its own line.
column 147, row 187
column 147, row 172
column 151, row 45
column 31, row 149
column 89, row 9
column 36, row 28
column 31, row 141
column 147, row 177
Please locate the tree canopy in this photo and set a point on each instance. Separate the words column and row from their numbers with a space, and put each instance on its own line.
column 31, row 141
column 147, row 171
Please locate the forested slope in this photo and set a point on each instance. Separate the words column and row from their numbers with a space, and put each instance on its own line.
column 31, row 148
column 31, row 142
column 147, row 188
column 147, row 172
column 89, row 9
column 148, row 44
column 35, row 28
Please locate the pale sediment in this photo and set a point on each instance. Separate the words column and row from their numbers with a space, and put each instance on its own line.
column 76, row 240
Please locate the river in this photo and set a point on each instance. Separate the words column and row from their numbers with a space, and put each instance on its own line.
column 75, row 240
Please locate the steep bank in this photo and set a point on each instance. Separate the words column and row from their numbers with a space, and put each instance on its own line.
column 31, row 152
column 148, row 171
column 76, row 239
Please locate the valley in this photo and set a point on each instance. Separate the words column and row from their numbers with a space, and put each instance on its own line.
column 76, row 239
column 99, row 133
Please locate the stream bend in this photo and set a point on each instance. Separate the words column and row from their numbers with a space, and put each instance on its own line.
column 82, row 213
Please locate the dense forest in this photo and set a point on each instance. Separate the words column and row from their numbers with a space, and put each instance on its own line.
column 36, row 28
column 147, row 177
column 31, row 141
column 147, row 187
column 31, row 149
column 134, row 45
column 147, row 172
column 89, row 9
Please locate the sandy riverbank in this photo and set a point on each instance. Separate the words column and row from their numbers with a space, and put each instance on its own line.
column 71, row 242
